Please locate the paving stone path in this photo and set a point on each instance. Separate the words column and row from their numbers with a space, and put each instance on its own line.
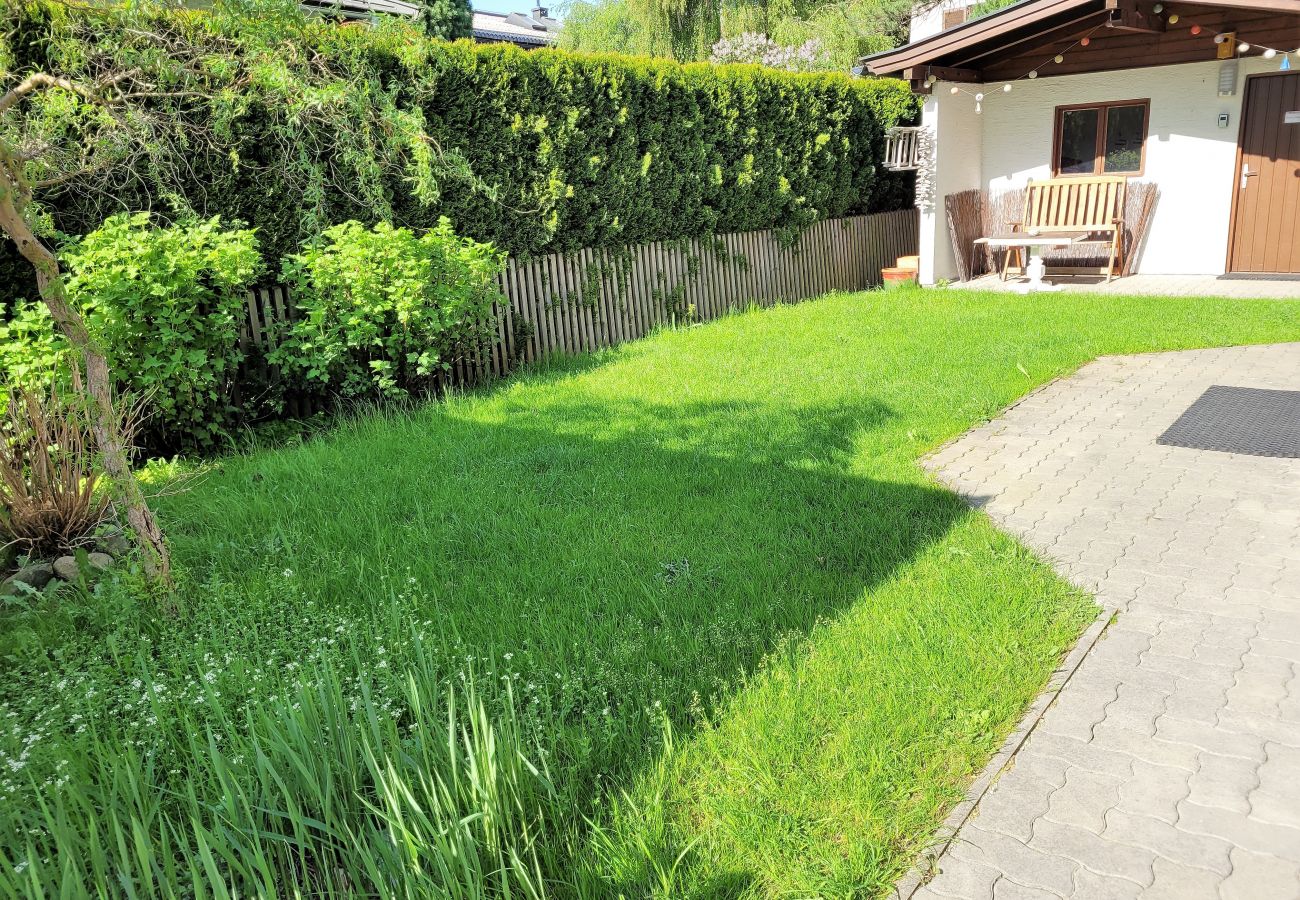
column 1169, row 766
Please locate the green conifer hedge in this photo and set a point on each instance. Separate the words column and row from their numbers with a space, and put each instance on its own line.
column 566, row 150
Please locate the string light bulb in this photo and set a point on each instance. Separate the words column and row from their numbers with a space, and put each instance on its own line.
column 1174, row 19
column 1033, row 74
column 1196, row 29
column 1270, row 53
column 1158, row 8
column 1060, row 58
column 1006, row 88
column 1243, row 47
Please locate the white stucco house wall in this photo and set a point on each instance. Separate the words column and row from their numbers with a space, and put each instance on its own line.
column 1228, row 195
column 930, row 18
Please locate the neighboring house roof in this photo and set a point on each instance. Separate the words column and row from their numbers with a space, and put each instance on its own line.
column 362, row 9
column 535, row 29
column 1007, row 43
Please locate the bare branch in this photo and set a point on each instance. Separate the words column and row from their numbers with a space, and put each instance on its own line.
column 37, row 82
column 42, row 81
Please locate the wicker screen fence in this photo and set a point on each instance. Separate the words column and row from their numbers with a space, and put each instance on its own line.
column 973, row 214
column 591, row 299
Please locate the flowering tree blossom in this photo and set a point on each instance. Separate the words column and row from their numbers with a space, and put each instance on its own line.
column 753, row 47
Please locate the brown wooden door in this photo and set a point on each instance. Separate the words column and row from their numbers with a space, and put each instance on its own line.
column 1266, row 220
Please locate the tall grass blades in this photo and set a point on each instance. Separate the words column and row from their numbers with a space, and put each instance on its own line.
column 313, row 796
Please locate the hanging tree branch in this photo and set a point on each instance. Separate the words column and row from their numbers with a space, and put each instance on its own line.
column 15, row 199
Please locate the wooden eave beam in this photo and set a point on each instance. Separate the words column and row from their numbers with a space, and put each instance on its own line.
column 1274, row 6
column 1126, row 16
column 943, row 73
column 973, row 33
column 1066, row 32
column 949, row 45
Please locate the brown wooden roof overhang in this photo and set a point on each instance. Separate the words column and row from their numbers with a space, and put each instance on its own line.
column 1125, row 34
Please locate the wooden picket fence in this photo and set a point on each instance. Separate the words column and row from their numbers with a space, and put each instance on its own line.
column 583, row 301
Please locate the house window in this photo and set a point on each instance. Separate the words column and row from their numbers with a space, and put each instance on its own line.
column 1101, row 138
column 954, row 17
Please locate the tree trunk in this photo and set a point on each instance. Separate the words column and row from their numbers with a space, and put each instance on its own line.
column 105, row 422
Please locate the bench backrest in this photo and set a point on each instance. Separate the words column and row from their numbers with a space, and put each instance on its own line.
column 1075, row 204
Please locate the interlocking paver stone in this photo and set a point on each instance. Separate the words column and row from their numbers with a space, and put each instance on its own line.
column 1256, row 876
column 1169, row 765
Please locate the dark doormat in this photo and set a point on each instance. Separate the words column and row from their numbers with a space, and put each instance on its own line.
column 1253, row 421
column 1257, row 276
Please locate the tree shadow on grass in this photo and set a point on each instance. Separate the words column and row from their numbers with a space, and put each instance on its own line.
column 636, row 560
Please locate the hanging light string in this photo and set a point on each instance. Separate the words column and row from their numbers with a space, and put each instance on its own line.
column 980, row 96
column 1243, row 48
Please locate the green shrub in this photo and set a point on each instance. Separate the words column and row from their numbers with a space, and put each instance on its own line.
column 384, row 311
column 165, row 304
column 31, row 346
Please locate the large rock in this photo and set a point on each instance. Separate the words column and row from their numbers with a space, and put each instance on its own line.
column 114, row 543
column 66, row 566
column 36, row 575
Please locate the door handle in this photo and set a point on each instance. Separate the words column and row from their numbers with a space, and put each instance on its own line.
column 1245, row 174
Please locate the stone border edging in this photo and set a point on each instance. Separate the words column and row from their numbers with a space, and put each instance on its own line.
column 924, row 867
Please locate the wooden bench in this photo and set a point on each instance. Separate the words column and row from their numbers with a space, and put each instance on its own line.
column 1094, row 206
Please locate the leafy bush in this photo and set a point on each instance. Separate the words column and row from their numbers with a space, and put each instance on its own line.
column 987, row 7
column 165, row 303
column 31, row 346
column 385, row 311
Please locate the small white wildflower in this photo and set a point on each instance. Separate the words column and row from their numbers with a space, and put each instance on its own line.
column 288, row 573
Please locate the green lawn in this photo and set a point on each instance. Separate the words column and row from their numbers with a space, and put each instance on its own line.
column 759, row 651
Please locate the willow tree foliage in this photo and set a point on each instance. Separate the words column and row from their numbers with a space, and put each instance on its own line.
column 845, row 29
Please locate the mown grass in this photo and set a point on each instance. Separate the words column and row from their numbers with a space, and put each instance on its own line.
column 746, row 646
